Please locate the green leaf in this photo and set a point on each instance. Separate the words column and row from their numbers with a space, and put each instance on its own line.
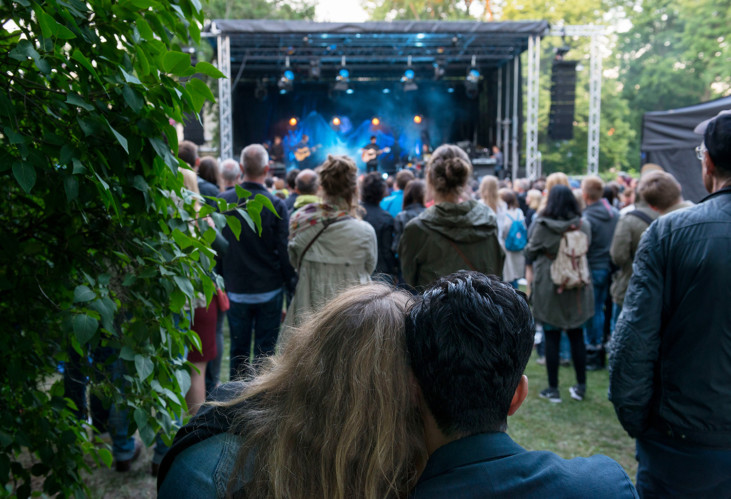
column 196, row 86
column 81, row 59
column 266, row 203
column 177, row 300
column 143, row 63
column 242, row 193
column 208, row 69
column 25, row 174
column 130, row 78
column 120, row 138
column 245, row 215
column 219, row 219
column 144, row 28
column 23, row 51
column 82, row 294
column 176, row 62
column 181, row 239
column 184, row 285
column 144, row 366
column 183, row 378
column 84, row 327
column 71, row 186
column 132, row 98
column 106, row 457
column 235, row 225
column 253, row 208
column 76, row 100
column 79, row 169
column 127, row 353
column 47, row 23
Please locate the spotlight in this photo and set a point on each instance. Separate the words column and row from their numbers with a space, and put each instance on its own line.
column 439, row 70
column 375, row 122
column 349, row 91
column 408, row 79
column 314, row 70
column 472, row 80
column 336, row 121
column 342, row 80
column 386, row 90
column 286, row 81
column 418, row 119
column 293, row 121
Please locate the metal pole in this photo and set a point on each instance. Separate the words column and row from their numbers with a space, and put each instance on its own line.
column 595, row 104
column 516, row 122
column 499, row 120
column 506, row 123
column 532, row 155
column 224, row 98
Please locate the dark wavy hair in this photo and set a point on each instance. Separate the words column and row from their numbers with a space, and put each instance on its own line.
column 372, row 188
column 414, row 193
column 561, row 204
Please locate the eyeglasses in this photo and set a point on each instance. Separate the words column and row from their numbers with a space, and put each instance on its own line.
column 700, row 152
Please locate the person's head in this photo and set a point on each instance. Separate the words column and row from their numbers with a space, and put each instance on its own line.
column 305, row 138
column 292, row 177
column 521, row 185
column 554, row 179
column 372, row 188
column 230, row 173
column 333, row 413
column 277, row 140
column 495, row 149
column 509, row 197
column 660, row 190
column 533, row 198
column 188, row 152
column 306, row 182
column 403, row 178
column 208, row 170
column 448, row 172
column 338, row 177
column 373, row 139
column 414, row 193
column 255, row 163
column 716, row 151
column 561, row 204
column 489, row 191
column 469, row 337
column 593, row 189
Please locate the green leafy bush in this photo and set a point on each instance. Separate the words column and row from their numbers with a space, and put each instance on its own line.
column 99, row 242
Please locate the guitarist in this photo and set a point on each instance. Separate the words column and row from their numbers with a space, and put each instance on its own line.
column 369, row 155
column 303, row 153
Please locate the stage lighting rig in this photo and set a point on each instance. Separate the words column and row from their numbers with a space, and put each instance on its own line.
column 286, row 81
column 439, row 70
column 408, row 78
column 472, row 80
column 314, row 69
column 342, row 80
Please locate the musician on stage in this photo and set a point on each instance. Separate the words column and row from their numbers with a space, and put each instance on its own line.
column 303, row 153
column 369, row 155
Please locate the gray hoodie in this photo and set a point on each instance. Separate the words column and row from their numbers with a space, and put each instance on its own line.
column 603, row 218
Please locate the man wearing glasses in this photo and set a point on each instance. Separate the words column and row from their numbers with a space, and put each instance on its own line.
column 670, row 371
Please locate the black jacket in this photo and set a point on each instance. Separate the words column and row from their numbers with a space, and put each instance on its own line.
column 208, row 189
column 603, row 218
column 670, row 370
column 257, row 264
column 382, row 223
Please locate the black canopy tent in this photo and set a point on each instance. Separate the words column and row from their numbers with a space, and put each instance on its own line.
column 669, row 141
column 261, row 50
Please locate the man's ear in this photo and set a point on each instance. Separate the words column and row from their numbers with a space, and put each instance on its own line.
column 521, row 392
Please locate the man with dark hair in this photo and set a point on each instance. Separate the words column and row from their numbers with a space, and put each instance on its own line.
column 603, row 218
column 372, row 190
column 393, row 204
column 290, row 179
column 670, row 370
column 469, row 338
column 256, row 268
column 369, row 155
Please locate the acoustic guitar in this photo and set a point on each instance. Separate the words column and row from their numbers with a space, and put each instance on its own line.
column 302, row 153
column 370, row 154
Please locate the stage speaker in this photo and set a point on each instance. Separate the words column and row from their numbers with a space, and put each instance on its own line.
column 563, row 99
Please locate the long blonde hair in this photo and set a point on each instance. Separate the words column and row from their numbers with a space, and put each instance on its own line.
column 489, row 191
column 333, row 414
column 554, row 179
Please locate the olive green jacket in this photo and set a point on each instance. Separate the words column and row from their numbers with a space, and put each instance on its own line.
column 427, row 246
column 571, row 308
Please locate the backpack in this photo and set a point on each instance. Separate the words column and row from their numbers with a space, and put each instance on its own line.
column 570, row 268
column 517, row 235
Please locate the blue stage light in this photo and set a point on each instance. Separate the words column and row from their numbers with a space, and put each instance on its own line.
column 289, row 74
column 473, row 75
column 386, row 90
column 409, row 74
column 450, row 90
column 344, row 73
column 349, row 91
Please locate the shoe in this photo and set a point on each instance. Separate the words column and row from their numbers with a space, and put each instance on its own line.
column 125, row 465
column 552, row 394
column 541, row 361
column 578, row 392
column 565, row 362
column 154, row 469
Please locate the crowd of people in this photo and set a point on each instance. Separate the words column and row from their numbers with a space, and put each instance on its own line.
column 380, row 329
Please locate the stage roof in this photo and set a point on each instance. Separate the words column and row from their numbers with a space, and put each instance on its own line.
column 377, row 50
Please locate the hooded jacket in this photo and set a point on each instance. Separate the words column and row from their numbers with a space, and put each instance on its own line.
column 571, row 308
column 603, row 218
column 431, row 243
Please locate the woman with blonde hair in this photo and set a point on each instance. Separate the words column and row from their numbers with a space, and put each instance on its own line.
column 452, row 234
column 330, row 247
column 331, row 415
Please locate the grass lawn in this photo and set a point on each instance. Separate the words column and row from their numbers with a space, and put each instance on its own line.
column 569, row 429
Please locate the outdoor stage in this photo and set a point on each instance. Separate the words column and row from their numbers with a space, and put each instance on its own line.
column 407, row 83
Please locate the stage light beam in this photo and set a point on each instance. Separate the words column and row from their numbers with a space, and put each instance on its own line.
column 293, row 121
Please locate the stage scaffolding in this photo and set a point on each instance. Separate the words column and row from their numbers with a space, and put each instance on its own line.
column 259, row 50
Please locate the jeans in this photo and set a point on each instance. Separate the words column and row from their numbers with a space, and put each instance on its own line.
column 682, row 470
column 261, row 319
column 595, row 325
column 213, row 368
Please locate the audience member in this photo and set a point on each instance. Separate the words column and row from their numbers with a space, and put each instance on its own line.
column 230, row 174
column 256, row 268
column 469, row 337
column 490, row 196
column 372, row 190
column 662, row 192
column 393, row 204
column 451, row 235
column 291, row 179
column 513, row 239
column 413, row 206
column 305, row 187
column 670, row 372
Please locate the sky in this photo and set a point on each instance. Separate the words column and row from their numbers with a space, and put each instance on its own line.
column 340, row 11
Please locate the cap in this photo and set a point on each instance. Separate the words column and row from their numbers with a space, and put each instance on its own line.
column 700, row 129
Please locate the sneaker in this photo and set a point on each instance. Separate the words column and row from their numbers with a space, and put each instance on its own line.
column 541, row 361
column 552, row 394
column 578, row 392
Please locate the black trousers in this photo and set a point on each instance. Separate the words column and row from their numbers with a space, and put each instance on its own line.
column 578, row 354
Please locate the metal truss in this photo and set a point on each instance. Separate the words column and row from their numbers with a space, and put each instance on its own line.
column 532, row 156
column 224, row 98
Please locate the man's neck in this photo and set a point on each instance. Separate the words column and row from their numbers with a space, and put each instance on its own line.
column 719, row 184
column 255, row 180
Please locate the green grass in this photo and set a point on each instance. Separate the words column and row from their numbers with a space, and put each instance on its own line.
column 572, row 428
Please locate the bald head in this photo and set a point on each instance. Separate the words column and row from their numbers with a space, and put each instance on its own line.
column 306, row 182
column 255, row 162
